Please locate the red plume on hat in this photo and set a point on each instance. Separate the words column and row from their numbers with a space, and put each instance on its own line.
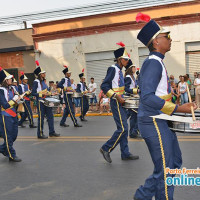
column 142, row 18
column 121, row 44
column 138, row 68
column 83, row 70
column 1, row 68
column 37, row 62
column 129, row 55
column 65, row 66
column 22, row 73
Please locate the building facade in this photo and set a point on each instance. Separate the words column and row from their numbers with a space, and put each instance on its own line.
column 17, row 52
column 88, row 42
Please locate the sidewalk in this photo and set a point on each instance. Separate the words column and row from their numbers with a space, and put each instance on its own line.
column 89, row 113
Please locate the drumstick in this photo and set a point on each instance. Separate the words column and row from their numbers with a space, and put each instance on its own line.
column 192, row 108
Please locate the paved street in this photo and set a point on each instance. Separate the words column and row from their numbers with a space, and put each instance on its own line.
column 71, row 167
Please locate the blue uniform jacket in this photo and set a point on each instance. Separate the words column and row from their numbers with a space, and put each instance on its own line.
column 107, row 85
column 16, row 88
column 35, row 86
column 78, row 89
column 7, row 104
column 62, row 82
column 149, row 78
column 127, row 81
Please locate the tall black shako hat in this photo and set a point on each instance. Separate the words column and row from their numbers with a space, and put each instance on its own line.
column 130, row 64
column 121, row 52
column 66, row 70
column 23, row 76
column 4, row 75
column 81, row 75
column 150, row 30
column 38, row 69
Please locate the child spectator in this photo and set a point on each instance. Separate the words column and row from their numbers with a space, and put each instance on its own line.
column 105, row 104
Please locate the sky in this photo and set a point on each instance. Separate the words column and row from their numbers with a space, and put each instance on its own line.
column 15, row 7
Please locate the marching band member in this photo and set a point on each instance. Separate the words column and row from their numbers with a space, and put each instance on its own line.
column 8, row 116
column 40, row 92
column 113, row 87
column 65, row 84
column 130, row 85
column 155, row 98
column 14, row 84
column 24, row 88
column 82, row 88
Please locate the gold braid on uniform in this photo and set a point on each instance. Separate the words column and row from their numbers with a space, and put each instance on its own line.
column 163, row 156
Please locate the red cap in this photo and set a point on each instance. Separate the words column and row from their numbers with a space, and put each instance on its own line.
column 65, row 66
column 37, row 62
column 121, row 44
column 138, row 68
column 142, row 17
column 22, row 73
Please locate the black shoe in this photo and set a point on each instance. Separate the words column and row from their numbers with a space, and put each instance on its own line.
column 42, row 137
column 64, row 125
column 54, row 135
column 83, row 119
column 77, row 125
column 106, row 155
column 32, row 126
column 131, row 157
column 135, row 136
column 135, row 198
column 22, row 126
column 15, row 159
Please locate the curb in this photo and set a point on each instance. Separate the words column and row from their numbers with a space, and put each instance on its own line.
column 77, row 115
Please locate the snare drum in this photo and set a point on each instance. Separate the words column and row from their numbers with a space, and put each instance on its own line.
column 51, row 102
column 71, row 93
column 90, row 95
column 77, row 95
column 182, row 126
column 131, row 103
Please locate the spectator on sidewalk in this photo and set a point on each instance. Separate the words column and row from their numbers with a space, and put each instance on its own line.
column 182, row 89
column 197, row 90
column 104, row 104
column 172, row 79
column 92, row 90
column 189, row 81
column 175, row 93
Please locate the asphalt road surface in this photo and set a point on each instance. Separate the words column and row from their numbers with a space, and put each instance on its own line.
column 71, row 167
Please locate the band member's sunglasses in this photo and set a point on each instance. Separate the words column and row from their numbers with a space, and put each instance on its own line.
column 166, row 36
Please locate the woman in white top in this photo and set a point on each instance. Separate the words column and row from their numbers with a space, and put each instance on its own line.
column 197, row 90
column 182, row 89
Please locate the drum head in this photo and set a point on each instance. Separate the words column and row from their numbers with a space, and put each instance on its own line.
column 131, row 103
column 50, row 99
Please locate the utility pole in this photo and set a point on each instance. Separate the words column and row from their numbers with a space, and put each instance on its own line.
column 25, row 24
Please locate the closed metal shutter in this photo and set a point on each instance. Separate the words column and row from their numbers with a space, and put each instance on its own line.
column 192, row 63
column 192, row 66
column 97, row 69
column 192, row 58
column 141, row 60
column 143, row 54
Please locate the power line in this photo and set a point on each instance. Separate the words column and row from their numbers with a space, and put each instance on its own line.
column 85, row 10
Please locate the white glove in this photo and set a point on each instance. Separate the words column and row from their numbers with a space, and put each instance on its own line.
column 16, row 97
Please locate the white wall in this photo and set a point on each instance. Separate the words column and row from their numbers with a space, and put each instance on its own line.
column 71, row 51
